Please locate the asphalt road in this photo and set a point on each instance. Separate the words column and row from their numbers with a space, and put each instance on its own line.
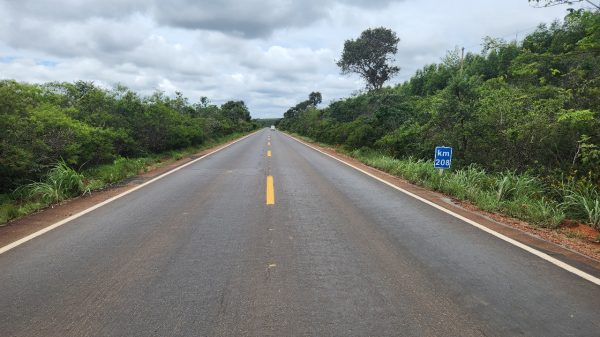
column 200, row 253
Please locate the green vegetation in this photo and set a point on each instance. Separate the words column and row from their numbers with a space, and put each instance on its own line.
column 61, row 140
column 60, row 183
column 266, row 122
column 523, row 119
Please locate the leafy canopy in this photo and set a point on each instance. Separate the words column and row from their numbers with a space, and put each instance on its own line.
column 371, row 56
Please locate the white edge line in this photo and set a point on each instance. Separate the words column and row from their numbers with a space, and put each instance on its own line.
column 88, row 210
column 527, row 248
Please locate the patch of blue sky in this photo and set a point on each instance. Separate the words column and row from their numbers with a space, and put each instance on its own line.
column 7, row 59
column 45, row 63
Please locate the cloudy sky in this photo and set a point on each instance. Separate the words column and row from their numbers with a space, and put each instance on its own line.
column 269, row 53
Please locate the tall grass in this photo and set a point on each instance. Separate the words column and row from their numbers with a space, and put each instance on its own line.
column 60, row 183
column 519, row 195
column 510, row 185
column 63, row 182
column 582, row 202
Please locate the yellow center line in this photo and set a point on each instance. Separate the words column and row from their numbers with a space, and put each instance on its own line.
column 268, row 143
column 270, row 191
column 268, row 153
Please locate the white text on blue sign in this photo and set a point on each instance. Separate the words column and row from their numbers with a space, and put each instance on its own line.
column 443, row 157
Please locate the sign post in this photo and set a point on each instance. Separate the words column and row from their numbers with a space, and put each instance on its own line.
column 442, row 158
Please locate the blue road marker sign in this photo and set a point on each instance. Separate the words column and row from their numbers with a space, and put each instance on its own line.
column 443, row 157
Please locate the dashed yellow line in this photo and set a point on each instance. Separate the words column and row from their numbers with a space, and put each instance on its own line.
column 268, row 143
column 268, row 153
column 270, row 191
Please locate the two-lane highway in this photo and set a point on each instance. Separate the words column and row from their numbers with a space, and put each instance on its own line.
column 271, row 238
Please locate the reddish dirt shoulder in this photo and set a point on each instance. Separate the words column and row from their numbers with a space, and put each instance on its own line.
column 26, row 225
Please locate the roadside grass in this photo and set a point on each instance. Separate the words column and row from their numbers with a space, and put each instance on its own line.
column 581, row 201
column 121, row 168
column 63, row 182
column 520, row 195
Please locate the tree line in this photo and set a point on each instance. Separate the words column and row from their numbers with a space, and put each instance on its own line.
column 84, row 125
column 521, row 106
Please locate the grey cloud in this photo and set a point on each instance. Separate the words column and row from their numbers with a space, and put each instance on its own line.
column 68, row 39
column 75, row 10
column 244, row 18
column 241, row 18
column 251, row 18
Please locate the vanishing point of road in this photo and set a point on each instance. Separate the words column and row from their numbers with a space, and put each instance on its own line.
column 268, row 237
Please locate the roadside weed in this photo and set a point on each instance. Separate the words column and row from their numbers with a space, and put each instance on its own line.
column 545, row 213
column 582, row 202
column 511, row 185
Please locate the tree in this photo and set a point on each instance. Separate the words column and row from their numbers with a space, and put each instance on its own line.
column 548, row 3
column 236, row 111
column 371, row 56
column 315, row 98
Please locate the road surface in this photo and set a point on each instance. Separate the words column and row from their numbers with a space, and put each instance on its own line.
column 212, row 250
